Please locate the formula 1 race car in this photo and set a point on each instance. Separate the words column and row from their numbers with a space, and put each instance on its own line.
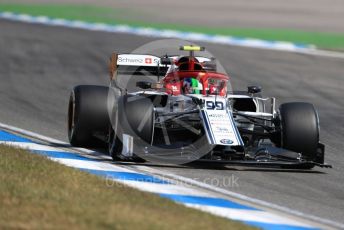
column 179, row 109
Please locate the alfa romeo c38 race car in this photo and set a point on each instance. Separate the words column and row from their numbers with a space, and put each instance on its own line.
column 179, row 109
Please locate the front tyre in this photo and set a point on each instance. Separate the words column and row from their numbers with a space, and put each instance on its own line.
column 300, row 129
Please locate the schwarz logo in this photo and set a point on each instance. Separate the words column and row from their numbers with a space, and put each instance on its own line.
column 130, row 60
column 226, row 141
column 138, row 61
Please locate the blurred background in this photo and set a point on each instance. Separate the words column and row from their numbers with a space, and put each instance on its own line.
column 317, row 22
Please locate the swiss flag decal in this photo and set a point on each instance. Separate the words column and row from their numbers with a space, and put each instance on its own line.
column 148, row 60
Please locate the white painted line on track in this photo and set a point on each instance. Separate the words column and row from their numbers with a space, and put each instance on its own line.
column 245, row 215
column 31, row 146
column 93, row 165
column 166, row 189
column 32, row 134
column 162, row 188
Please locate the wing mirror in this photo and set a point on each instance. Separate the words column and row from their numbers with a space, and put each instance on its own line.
column 254, row 89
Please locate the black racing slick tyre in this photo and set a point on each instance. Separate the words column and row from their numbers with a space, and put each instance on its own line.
column 300, row 128
column 87, row 115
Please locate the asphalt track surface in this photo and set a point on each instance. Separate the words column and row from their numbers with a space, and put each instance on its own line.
column 39, row 65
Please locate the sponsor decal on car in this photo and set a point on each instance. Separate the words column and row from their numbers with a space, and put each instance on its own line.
column 217, row 115
column 148, row 60
column 130, row 60
column 174, row 88
column 217, row 105
column 137, row 60
column 222, row 130
column 226, row 141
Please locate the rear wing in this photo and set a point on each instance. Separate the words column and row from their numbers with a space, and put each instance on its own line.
column 143, row 63
column 137, row 60
column 135, row 64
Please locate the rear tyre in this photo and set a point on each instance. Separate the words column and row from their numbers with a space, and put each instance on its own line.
column 300, row 129
column 87, row 115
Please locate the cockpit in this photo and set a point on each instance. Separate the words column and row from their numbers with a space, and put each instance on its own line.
column 194, row 82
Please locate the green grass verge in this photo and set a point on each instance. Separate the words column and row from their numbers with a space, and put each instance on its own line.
column 37, row 193
column 122, row 16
